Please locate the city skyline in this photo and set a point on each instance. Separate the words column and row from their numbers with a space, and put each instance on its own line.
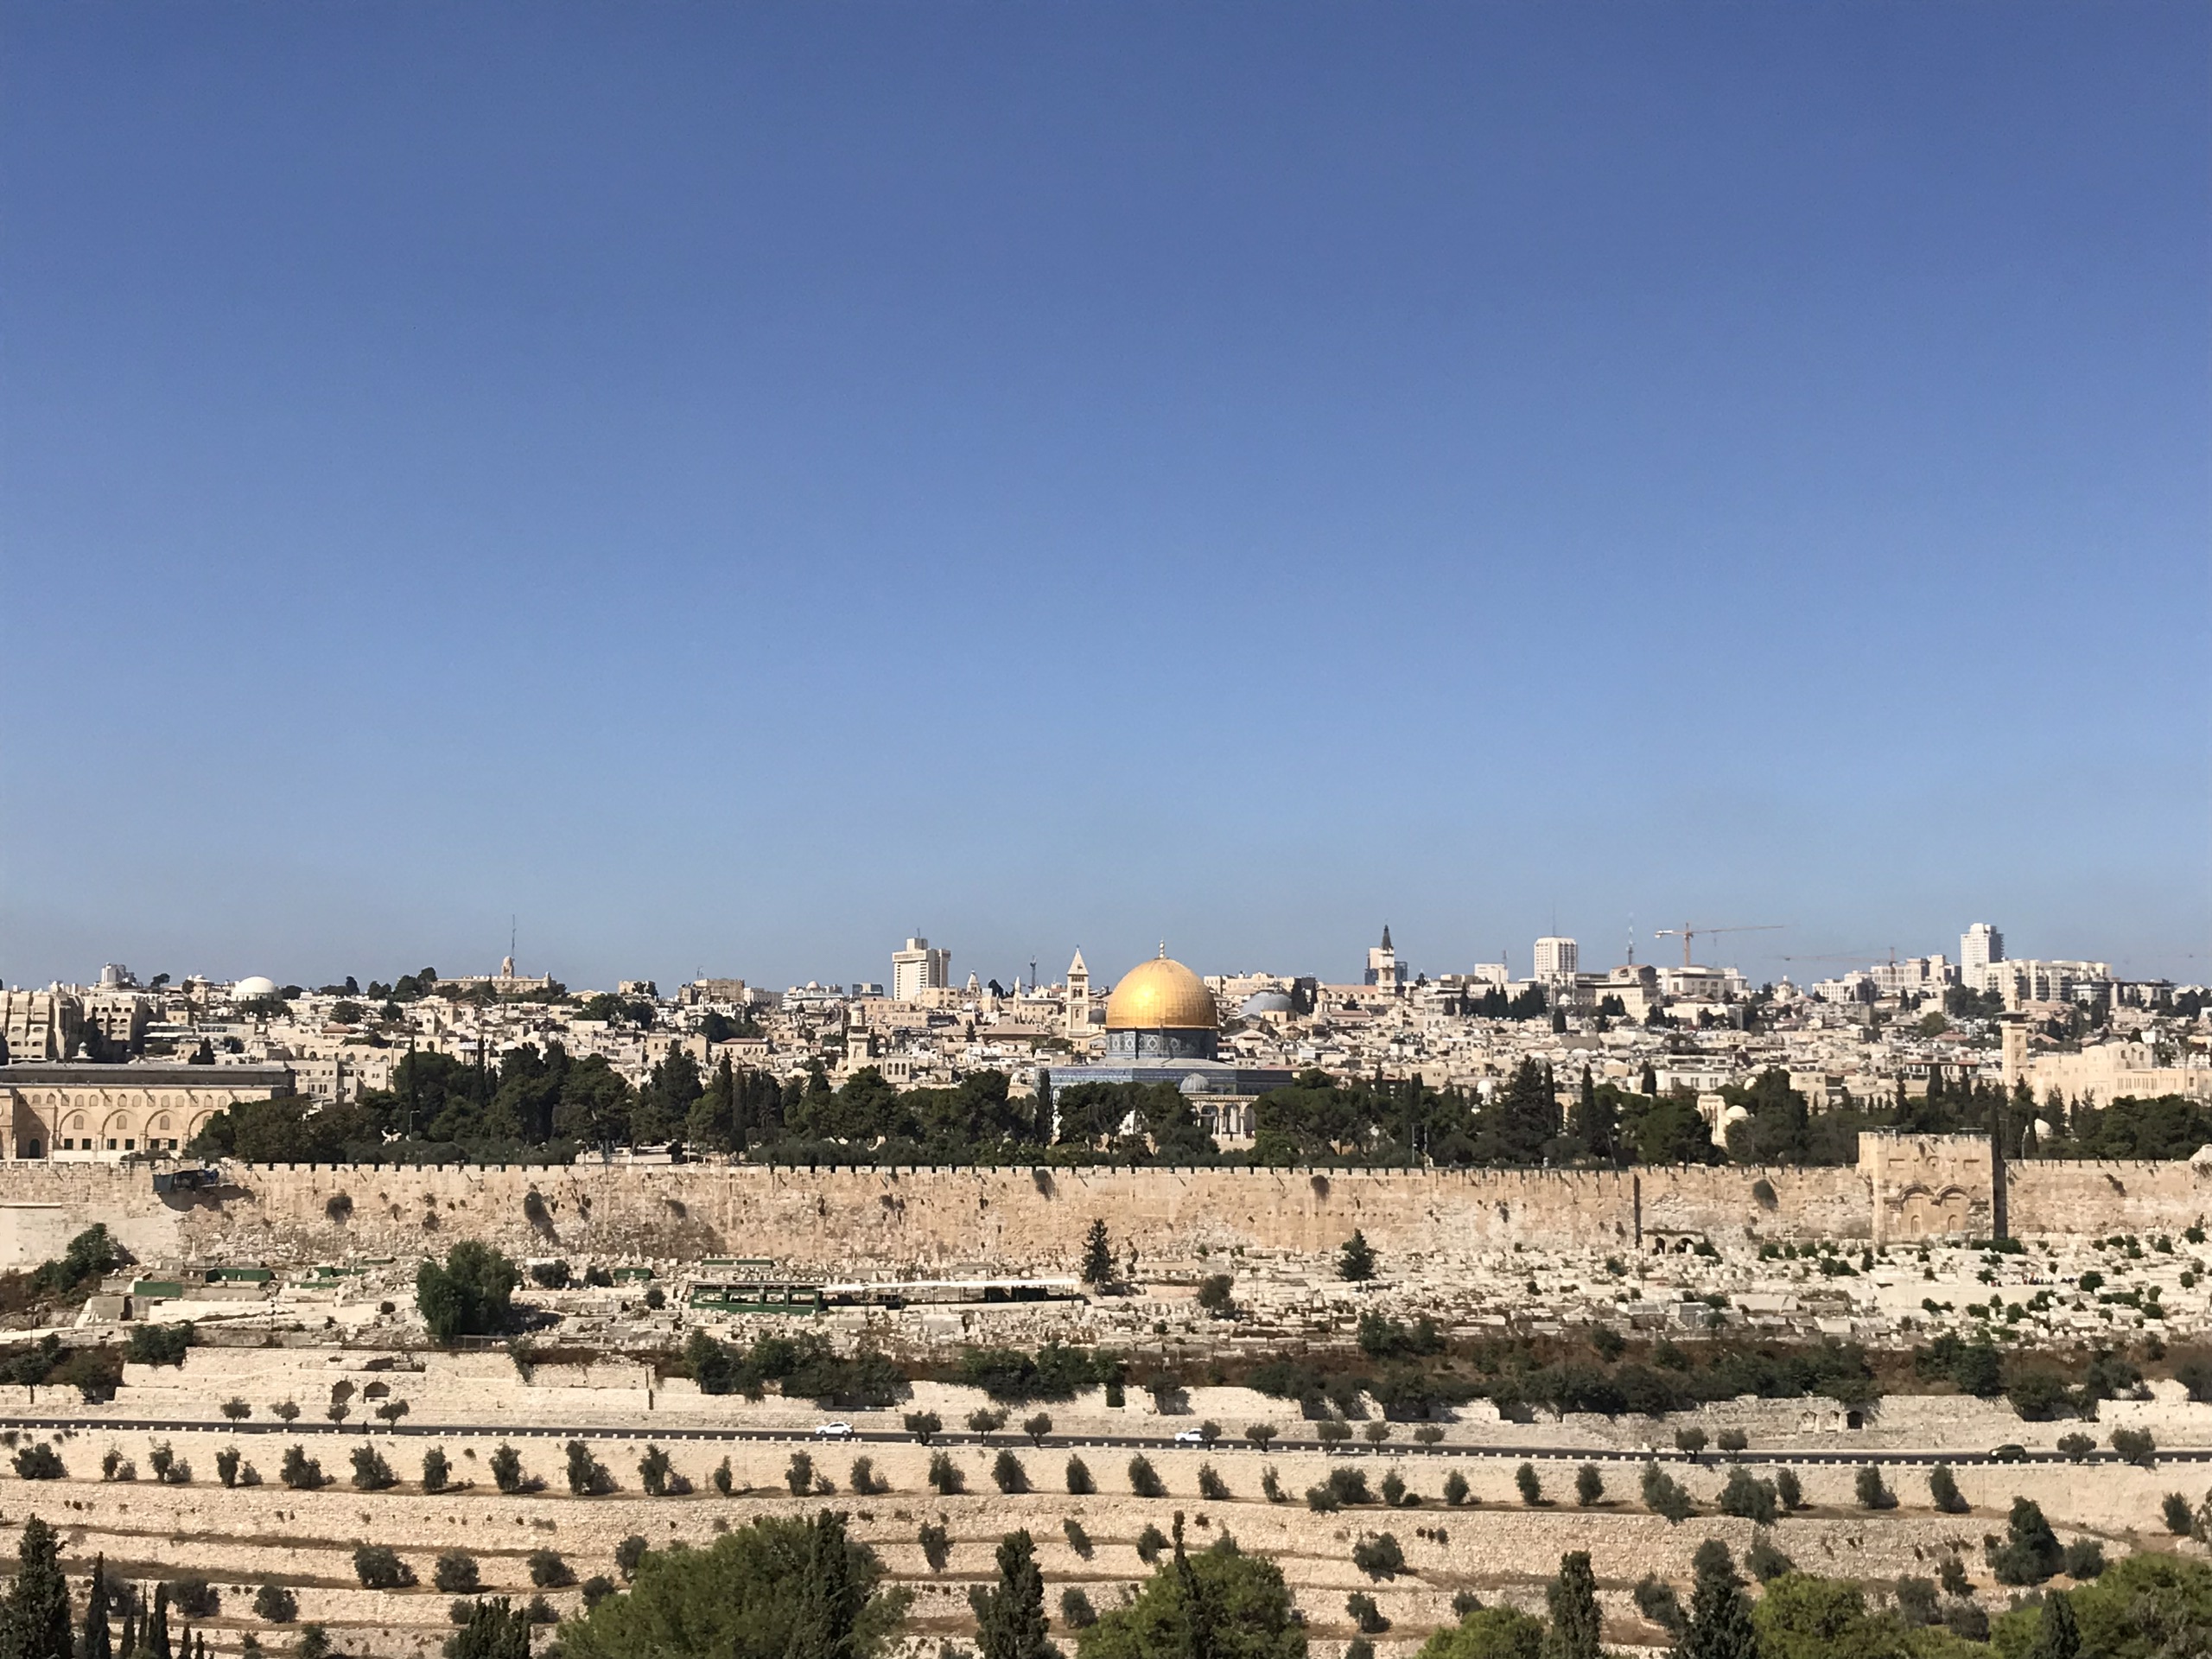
column 734, row 487
column 932, row 962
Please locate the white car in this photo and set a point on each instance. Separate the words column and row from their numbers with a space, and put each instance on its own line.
column 1190, row 1437
column 833, row 1431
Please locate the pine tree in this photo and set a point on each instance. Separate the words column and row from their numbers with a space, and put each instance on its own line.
column 1357, row 1260
column 98, row 1641
column 35, row 1618
column 2057, row 1637
column 1572, row 1599
column 1720, row 1621
column 1010, row 1619
column 1097, row 1256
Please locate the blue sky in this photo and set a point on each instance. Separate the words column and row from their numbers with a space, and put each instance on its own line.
column 732, row 486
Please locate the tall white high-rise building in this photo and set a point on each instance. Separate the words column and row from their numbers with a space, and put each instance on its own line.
column 1978, row 946
column 920, row 967
column 1555, row 959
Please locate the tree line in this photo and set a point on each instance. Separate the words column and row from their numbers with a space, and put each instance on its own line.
column 544, row 1105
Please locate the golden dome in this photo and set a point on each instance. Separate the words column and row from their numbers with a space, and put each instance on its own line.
column 1161, row 996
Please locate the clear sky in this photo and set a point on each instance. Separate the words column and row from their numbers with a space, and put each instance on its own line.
column 732, row 486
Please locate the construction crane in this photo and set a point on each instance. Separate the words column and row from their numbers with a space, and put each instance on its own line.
column 1685, row 934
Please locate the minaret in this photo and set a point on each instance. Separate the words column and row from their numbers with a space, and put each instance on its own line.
column 1078, row 1011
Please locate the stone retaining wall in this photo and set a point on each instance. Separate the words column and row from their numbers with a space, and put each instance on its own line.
column 936, row 1221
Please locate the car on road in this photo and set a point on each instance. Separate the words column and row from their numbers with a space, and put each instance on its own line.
column 2011, row 1452
column 1190, row 1437
column 833, row 1431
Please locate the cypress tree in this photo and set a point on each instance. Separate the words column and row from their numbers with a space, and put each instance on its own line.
column 1097, row 1256
column 157, row 1638
column 1197, row 1607
column 830, row 1599
column 1573, row 1600
column 2058, row 1637
column 1720, row 1621
column 1010, row 1619
column 34, row 1619
column 98, row 1641
column 129, row 1646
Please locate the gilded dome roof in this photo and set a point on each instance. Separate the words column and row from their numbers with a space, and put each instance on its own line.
column 1161, row 996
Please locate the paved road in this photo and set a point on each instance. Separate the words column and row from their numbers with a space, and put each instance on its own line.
column 1078, row 1442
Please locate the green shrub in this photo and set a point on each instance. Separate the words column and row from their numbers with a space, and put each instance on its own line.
column 1665, row 1496
column 158, row 1344
column 299, row 1471
column 370, row 1472
column 274, row 1605
column 193, row 1596
column 2135, row 1445
column 456, row 1574
column 1657, row 1602
column 587, row 1476
column 1749, row 1498
column 2085, row 1558
column 1144, row 1479
column 379, row 1567
column 1943, row 1490
column 1765, row 1562
column 548, row 1570
column 1379, row 1557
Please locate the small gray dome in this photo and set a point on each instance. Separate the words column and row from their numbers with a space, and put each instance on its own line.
column 1264, row 1002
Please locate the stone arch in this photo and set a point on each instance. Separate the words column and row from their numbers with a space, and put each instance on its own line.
column 119, row 1133
column 1929, row 1213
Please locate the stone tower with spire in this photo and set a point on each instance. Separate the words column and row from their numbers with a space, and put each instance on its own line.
column 1078, row 1011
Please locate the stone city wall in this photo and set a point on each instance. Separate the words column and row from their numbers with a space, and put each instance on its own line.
column 939, row 1221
